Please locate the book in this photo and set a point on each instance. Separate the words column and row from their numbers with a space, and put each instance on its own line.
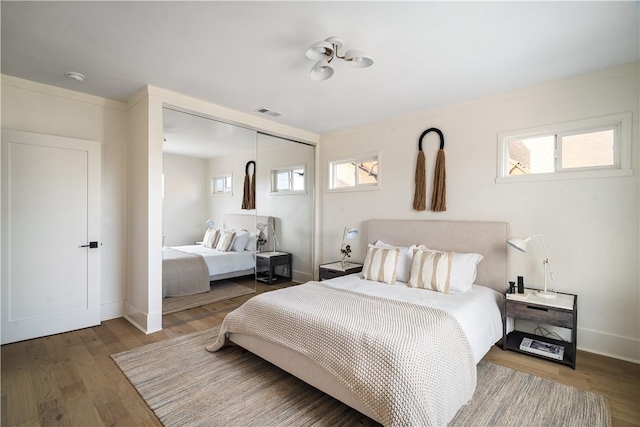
column 542, row 348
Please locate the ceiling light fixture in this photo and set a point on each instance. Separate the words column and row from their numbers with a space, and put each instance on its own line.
column 325, row 51
column 72, row 75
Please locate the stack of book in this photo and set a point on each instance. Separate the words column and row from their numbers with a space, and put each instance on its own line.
column 542, row 348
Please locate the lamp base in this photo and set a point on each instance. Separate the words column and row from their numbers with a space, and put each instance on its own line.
column 546, row 294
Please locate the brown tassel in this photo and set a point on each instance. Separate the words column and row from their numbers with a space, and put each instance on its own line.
column 246, row 195
column 439, row 196
column 252, row 193
column 420, row 196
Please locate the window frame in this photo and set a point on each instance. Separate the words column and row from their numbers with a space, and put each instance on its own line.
column 358, row 158
column 220, row 176
column 619, row 123
column 290, row 169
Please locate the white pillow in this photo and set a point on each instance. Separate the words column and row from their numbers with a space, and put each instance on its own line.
column 464, row 268
column 405, row 256
column 252, row 243
column 240, row 242
column 225, row 241
column 210, row 238
column 380, row 264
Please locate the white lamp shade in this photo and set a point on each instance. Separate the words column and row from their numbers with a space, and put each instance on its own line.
column 518, row 243
column 210, row 223
column 261, row 227
column 320, row 50
column 321, row 71
column 358, row 59
column 350, row 234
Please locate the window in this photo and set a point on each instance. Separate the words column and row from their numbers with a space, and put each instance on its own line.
column 222, row 184
column 583, row 149
column 355, row 173
column 288, row 180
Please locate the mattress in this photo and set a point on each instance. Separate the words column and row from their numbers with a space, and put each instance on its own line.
column 219, row 262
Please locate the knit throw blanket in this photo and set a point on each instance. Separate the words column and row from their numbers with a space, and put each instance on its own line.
column 411, row 365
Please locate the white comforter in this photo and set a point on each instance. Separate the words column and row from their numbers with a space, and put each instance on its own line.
column 220, row 262
column 478, row 311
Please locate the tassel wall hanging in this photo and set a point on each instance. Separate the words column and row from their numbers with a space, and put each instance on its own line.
column 249, row 193
column 439, row 196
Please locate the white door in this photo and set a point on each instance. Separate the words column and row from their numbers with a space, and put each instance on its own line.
column 50, row 211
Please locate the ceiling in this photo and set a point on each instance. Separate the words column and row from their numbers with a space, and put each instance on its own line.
column 246, row 55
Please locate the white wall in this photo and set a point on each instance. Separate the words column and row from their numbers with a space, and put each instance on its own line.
column 33, row 107
column 184, row 205
column 590, row 226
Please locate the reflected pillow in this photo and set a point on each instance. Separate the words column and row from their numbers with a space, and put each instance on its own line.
column 380, row 264
column 210, row 238
column 225, row 241
column 240, row 242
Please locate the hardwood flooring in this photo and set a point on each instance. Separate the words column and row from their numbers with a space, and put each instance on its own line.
column 70, row 380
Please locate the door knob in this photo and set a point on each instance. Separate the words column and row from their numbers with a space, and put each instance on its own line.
column 91, row 245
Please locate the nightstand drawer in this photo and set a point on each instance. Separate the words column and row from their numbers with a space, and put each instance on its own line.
column 541, row 314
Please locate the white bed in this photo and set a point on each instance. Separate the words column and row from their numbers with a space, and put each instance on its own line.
column 184, row 272
column 478, row 312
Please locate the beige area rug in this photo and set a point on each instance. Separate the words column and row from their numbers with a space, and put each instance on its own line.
column 220, row 291
column 186, row 385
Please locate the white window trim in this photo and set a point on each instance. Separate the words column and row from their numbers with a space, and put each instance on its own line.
column 273, row 192
column 622, row 155
column 355, row 158
column 213, row 184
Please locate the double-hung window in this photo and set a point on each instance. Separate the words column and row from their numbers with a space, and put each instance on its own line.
column 591, row 148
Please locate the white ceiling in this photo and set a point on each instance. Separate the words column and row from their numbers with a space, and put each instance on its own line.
column 245, row 55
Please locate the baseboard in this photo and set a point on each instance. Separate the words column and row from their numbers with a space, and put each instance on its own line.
column 111, row 310
column 301, row 276
column 610, row 345
column 148, row 323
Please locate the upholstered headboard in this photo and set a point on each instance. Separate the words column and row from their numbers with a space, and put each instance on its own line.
column 485, row 238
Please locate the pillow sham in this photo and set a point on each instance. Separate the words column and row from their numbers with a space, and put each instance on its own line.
column 431, row 270
column 239, row 243
column 405, row 256
column 380, row 264
column 225, row 241
column 211, row 238
column 464, row 269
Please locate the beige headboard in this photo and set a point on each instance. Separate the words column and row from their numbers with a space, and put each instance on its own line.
column 486, row 238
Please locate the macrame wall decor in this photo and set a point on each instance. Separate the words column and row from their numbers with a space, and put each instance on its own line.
column 439, row 196
column 249, row 194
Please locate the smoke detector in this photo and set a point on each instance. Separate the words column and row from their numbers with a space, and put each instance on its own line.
column 72, row 75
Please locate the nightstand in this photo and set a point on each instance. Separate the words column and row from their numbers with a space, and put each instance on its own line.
column 561, row 311
column 273, row 267
column 335, row 269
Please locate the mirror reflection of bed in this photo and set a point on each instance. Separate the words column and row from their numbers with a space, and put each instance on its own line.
column 219, row 267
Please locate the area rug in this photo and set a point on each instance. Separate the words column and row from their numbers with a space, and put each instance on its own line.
column 186, row 385
column 220, row 291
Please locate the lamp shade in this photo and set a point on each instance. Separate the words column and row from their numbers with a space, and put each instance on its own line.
column 350, row 234
column 210, row 223
column 261, row 227
column 358, row 59
column 321, row 71
column 320, row 50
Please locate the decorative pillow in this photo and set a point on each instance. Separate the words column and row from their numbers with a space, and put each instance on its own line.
column 380, row 264
column 240, row 242
column 464, row 268
column 225, row 241
column 405, row 256
column 431, row 270
column 211, row 238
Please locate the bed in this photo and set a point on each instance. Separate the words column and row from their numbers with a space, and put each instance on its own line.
column 467, row 325
column 190, row 269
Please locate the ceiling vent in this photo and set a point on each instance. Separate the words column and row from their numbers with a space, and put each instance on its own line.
column 268, row 112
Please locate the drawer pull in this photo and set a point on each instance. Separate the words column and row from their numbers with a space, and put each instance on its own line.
column 537, row 308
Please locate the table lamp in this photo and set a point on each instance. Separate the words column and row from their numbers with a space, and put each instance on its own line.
column 521, row 245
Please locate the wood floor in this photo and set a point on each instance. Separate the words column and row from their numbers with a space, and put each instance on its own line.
column 70, row 380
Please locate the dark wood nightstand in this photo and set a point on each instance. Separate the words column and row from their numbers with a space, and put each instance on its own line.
column 334, row 269
column 273, row 267
column 561, row 311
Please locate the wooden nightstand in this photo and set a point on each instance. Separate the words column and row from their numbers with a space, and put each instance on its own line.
column 273, row 267
column 334, row 269
column 561, row 311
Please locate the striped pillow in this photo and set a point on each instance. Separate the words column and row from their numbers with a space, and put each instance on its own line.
column 211, row 238
column 431, row 270
column 225, row 241
column 380, row 264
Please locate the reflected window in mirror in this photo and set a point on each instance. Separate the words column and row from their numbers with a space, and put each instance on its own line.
column 289, row 180
column 222, row 184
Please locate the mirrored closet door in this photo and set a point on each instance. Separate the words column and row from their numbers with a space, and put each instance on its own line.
column 204, row 165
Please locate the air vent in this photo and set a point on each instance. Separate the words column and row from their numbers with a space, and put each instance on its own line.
column 268, row 112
